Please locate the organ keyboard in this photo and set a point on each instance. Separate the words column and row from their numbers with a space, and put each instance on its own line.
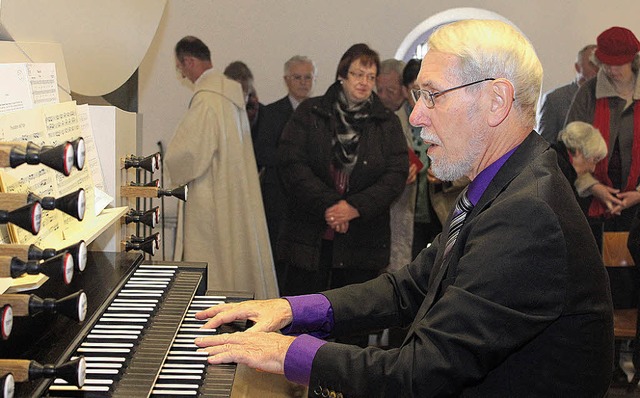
column 138, row 342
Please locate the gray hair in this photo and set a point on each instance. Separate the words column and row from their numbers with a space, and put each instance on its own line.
column 493, row 49
column 583, row 137
column 299, row 59
column 635, row 63
column 392, row 65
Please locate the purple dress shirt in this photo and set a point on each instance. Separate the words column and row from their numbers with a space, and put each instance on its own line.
column 313, row 314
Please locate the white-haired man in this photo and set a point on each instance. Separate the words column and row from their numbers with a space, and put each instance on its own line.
column 511, row 300
column 299, row 77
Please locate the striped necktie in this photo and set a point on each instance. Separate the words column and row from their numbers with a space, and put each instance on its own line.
column 463, row 207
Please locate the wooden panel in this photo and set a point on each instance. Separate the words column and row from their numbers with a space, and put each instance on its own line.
column 624, row 323
column 614, row 250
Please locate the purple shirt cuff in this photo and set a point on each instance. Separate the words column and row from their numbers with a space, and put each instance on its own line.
column 312, row 314
column 299, row 358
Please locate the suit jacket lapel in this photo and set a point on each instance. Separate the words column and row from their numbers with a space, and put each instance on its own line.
column 513, row 166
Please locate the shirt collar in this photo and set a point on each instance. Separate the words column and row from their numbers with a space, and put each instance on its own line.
column 294, row 102
column 482, row 181
column 201, row 77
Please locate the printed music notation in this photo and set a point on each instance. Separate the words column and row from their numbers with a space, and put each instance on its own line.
column 25, row 85
column 62, row 124
column 47, row 125
column 29, row 125
column 44, row 83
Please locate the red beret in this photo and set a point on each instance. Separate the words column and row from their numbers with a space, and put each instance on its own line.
column 617, row 46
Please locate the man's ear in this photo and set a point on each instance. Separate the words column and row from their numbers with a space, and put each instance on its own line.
column 406, row 94
column 188, row 61
column 502, row 97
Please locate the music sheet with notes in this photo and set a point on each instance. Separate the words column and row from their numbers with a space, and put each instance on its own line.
column 25, row 85
column 50, row 124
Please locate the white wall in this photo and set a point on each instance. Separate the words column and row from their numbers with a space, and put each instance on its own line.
column 264, row 34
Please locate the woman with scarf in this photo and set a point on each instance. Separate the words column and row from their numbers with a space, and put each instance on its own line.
column 611, row 102
column 342, row 159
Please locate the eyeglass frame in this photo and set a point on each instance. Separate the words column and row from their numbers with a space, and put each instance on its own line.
column 416, row 94
column 369, row 78
column 302, row 78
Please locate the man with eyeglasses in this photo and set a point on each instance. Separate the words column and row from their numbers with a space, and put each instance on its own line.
column 299, row 77
column 511, row 300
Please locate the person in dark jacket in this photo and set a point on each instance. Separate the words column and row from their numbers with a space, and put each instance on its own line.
column 342, row 160
column 299, row 77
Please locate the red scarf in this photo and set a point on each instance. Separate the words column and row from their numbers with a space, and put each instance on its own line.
column 601, row 121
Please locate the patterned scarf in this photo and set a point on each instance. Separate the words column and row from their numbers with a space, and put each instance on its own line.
column 601, row 121
column 351, row 120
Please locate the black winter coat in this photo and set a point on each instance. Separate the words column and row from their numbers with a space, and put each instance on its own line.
column 304, row 157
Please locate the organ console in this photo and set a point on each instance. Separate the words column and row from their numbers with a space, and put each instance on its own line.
column 149, row 163
column 148, row 245
column 78, row 252
column 60, row 158
column 25, row 370
column 60, row 265
column 7, row 386
column 79, row 149
column 73, row 204
column 73, row 306
column 133, row 191
column 149, row 218
column 27, row 217
column 137, row 339
column 6, row 321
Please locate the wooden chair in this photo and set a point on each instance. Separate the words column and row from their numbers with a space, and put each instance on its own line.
column 615, row 254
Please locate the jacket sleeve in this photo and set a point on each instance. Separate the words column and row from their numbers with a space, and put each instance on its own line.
column 501, row 296
column 545, row 124
column 270, row 125
column 377, row 197
column 190, row 152
column 583, row 105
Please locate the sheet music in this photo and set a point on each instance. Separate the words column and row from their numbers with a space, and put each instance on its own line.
column 15, row 89
column 29, row 125
column 44, row 83
column 62, row 125
column 50, row 125
column 25, row 85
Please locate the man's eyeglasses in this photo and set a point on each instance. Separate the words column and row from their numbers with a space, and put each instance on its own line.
column 299, row 78
column 361, row 75
column 430, row 98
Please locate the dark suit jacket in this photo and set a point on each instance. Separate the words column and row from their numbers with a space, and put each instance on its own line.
column 553, row 111
column 521, row 308
column 272, row 120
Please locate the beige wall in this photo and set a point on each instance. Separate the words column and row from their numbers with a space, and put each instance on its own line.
column 264, row 34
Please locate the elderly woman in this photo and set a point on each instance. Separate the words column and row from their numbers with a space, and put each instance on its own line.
column 342, row 159
column 611, row 102
column 580, row 147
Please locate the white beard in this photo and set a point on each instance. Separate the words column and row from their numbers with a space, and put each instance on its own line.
column 447, row 169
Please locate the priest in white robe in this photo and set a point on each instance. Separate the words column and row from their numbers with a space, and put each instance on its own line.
column 211, row 152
